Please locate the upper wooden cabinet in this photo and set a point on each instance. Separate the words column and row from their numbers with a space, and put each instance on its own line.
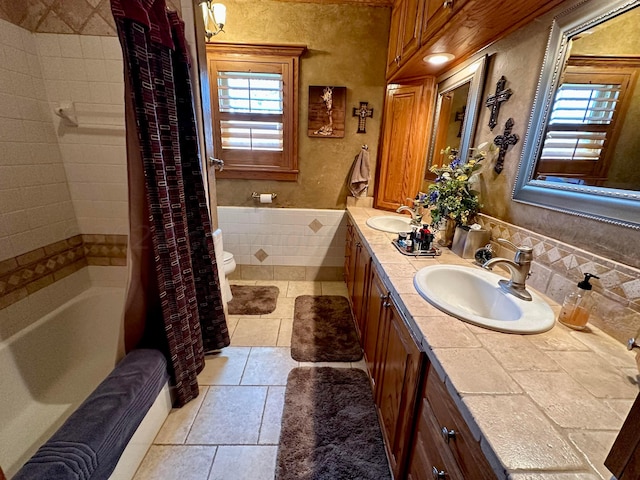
column 404, row 35
column 459, row 27
column 401, row 161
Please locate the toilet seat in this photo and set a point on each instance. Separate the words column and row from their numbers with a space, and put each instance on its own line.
column 229, row 262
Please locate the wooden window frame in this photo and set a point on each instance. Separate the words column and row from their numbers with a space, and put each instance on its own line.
column 259, row 165
column 600, row 68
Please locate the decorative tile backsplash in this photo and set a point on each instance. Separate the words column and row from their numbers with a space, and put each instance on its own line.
column 87, row 17
column 557, row 268
column 26, row 274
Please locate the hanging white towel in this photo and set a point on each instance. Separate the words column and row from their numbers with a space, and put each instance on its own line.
column 359, row 175
column 225, row 288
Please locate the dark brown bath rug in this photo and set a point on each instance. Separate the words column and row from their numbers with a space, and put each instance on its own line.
column 323, row 330
column 253, row 299
column 330, row 429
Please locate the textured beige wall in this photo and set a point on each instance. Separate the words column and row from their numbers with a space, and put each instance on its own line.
column 347, row 46
column 519, row 58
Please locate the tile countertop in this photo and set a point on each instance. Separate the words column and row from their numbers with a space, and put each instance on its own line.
column 543, row 406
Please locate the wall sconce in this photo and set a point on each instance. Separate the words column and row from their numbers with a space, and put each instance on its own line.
column 215, row 16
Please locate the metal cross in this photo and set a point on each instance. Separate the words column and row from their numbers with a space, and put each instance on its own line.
column 503, row 141
column 494, row 101
column 460, row 118
column 362, row 112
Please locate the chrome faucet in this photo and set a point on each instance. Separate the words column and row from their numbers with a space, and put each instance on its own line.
column 416, row 218
column 519, row 268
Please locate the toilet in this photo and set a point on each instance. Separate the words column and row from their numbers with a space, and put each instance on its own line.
column 229, row 264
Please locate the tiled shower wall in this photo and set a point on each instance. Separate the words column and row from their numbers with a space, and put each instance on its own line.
column 284, row 243
column 85, row 72
column 35, row 204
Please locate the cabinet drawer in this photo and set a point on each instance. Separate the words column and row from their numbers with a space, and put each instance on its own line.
column 431, row 455
column 464, row 448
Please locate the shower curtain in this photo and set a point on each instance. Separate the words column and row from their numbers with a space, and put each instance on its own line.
column 174, row 301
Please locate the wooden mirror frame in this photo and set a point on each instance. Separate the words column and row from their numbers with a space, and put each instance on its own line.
column 618, row 207
column 474, row 74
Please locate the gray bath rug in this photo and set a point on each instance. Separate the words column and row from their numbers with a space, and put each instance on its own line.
column 323, row 330
column 253, row 300
column 330, row 428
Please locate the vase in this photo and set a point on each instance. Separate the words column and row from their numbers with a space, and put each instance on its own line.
column 446, row 234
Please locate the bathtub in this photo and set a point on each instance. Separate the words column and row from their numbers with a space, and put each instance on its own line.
column 50, row 367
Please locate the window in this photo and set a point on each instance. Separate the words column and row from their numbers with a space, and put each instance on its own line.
column 588, row 106
column 254, row 103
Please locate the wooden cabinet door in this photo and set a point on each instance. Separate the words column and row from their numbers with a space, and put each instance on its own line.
column 348, row 254
column 411, row 26
column 402, row 156
column 399, row 382
column 373, row 342
column 393, row 53
column 437, row 14
column 624, row 458
column 360, row 286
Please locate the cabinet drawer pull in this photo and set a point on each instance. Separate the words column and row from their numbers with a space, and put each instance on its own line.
column 386, row 304
column 358, row 244
column 383, row 296
column 448, row 434
column 438, row 474
column 448, row 4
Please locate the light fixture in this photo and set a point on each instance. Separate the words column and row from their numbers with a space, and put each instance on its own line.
column 438, row 58
column 215, row 16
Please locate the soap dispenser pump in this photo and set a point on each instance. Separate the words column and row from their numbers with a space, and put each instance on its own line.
column 577, row 305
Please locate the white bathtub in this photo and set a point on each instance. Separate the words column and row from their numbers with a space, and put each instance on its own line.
column 49, row 368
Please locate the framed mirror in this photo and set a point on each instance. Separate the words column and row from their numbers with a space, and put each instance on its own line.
column 581, row 154
column 456, row 112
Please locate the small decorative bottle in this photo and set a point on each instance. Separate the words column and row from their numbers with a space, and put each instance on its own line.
column 577, row 305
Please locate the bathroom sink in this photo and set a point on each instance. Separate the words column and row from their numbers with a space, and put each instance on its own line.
column 473, row 295
column 390, row 224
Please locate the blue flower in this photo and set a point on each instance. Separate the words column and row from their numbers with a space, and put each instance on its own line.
column 433, row 196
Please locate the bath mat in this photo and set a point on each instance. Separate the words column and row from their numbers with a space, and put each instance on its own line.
column 253, row 300
column 330, row 428
column 323, row 330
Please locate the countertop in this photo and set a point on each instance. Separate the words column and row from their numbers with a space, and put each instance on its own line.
column 543, row 406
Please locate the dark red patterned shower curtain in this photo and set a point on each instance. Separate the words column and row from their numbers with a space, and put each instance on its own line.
column 173, row 301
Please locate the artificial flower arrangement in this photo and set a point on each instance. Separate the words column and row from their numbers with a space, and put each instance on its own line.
column 451, row 196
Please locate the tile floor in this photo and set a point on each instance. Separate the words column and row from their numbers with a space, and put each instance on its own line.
column 231, row 431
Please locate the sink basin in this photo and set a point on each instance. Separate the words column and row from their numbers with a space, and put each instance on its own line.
column 390, row 224
column 473, row 295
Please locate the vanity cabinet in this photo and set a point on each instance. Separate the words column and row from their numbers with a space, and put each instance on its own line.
column 357, row 265
column 624, row 458
column 443, row 446
column 395, row 365
column 404, row 142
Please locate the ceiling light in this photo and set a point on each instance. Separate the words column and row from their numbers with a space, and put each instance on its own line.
column 438, row 58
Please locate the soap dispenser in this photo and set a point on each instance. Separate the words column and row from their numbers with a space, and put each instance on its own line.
column 577, row 305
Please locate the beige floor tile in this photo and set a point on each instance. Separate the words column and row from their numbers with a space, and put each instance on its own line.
column 284, row 335
column 268, row 366
column 304, row 288
column 229, row 415
column 361, row 364
column 272, row 418
column 284, row 308
column 326, row 364
column 335, row 288
column 256, row 332
column 231, row 324
column 244, row 463
column 282, row 285
column 225, row 368
column 176, row 462
column 176, row 427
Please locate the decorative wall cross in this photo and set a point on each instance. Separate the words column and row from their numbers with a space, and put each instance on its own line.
column 362, row 112
column 460, row 118
column 503, row 141
column 494, row 101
